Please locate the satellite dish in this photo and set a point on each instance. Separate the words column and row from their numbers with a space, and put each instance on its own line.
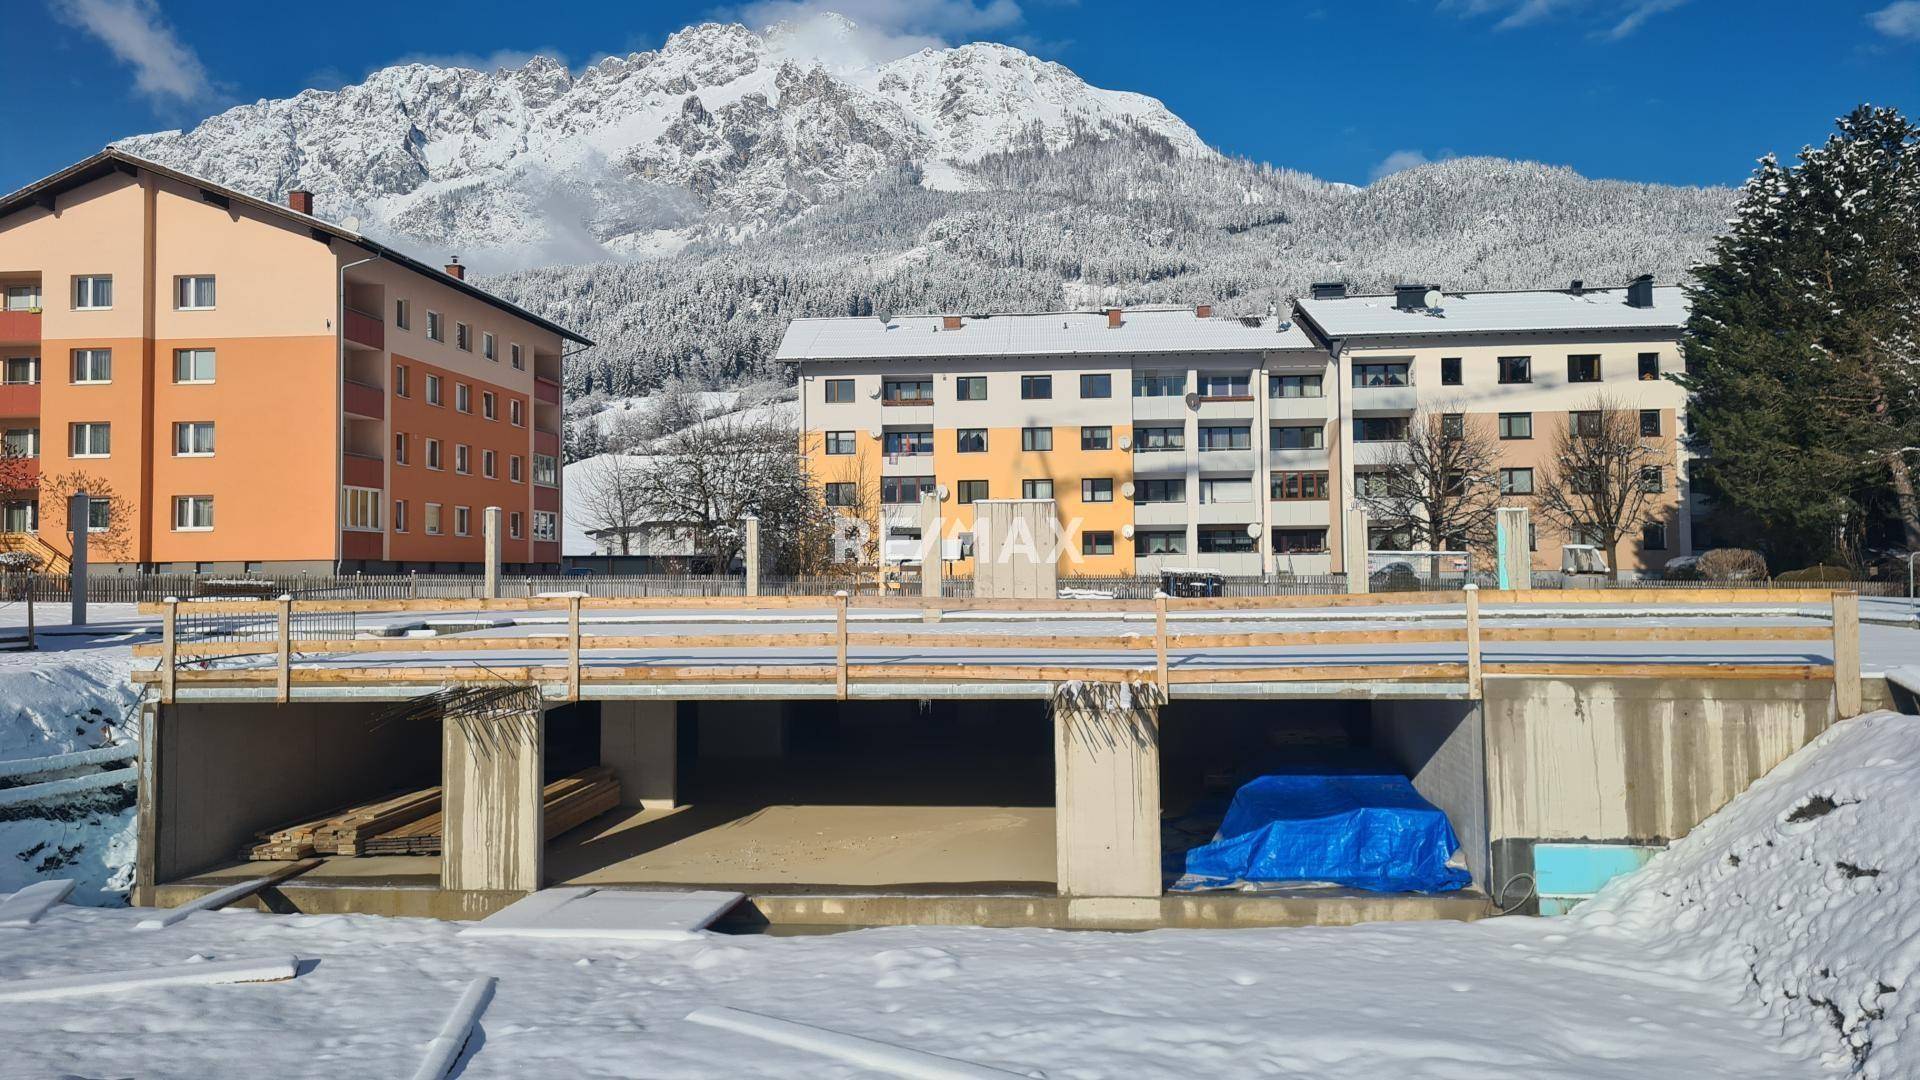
column 875, row 432
column 1253, row 529
column 1193, row 400
column 1127, row 530
column 942, row 492
column 1431, row 299
column 1127, row 489
column 1126, row 442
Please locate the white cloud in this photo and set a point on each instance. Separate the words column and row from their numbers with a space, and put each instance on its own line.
column 1642, row 11
column 1624, row 17
column 860, row 33
column 1898, row 20
column 1401, row 161
column 164, row 68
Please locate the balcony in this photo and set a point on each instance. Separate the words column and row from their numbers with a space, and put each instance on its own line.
column 546, row 391
column 1299, row 408
column 1384, row 399
column 546, row 498
column 362, row 470
column 19, row 399
column 362, row 328
column 1297, row 460
column 355, row 544
column 363, row 399
column 19, row 326
column 546, row 442
column 1376, row 454
column 24, row 472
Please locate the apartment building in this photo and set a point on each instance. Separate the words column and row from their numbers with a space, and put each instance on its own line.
column 1171, row 437
column 241, row 385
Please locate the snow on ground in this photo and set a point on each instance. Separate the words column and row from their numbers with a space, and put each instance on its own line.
column 1701, row 965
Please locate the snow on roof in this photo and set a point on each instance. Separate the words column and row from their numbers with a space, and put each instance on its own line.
column 1499, row 312
column 1049, row 333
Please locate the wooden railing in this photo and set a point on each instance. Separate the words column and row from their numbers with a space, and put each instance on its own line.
column 1146, row 655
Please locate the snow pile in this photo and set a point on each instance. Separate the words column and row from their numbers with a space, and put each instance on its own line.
column 1802, row 890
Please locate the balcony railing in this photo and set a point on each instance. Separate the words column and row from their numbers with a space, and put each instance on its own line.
column 19, row 399
column 363, row 399
column 546, row 390
column 19, row 326
column 364, row 328
column 362, row 470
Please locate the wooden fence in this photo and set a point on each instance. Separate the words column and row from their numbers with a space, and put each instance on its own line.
column 1148, row 655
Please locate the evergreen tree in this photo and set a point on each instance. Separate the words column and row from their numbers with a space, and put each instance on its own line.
column 1803, row 349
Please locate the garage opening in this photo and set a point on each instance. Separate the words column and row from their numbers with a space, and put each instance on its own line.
column 1334, row 794
column 890, row 795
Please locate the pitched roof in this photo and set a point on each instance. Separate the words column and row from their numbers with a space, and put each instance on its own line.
column 109, row 160
column 1532, row 311
column 1046, row 333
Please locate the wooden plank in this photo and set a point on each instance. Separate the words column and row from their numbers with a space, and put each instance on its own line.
column 1474, row 669
column 1092, row 642
column 573, row 649
column 197, row 973
column 1422, row 636
column 961, row 672
column 1322, row 673
column 1587, row 634
column 840, row 650
column 25, row 907
column 1655, row 597
column 283, row 646
column 213, row 901
column 443, row 1051
column 1846, row 654
column 1160, row 644
column 1790, row 672
column 1311, row 600
column 169, row 643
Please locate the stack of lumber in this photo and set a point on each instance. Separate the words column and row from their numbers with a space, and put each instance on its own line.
column 411, row 823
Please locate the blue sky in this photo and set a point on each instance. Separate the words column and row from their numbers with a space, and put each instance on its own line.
column 1679, row 91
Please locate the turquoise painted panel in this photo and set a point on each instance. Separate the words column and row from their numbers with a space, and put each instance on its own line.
column 1577, row 871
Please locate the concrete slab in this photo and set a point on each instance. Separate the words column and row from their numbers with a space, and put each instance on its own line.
column 608, row 914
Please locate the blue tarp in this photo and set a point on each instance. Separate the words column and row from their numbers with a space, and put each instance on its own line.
column 1358, row 825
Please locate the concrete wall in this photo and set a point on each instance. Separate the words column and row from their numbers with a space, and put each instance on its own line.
column 639, row 740
column 216, row 774
column 1440, row 746
column 494, row 767
column 1106, row 769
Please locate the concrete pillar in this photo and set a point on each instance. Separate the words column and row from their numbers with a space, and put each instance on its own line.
column 490, row 532
column 1106, row 783
column 1355, row 535
column 931, row 565
column 639, row 740
column 1514, row 557
column 752, row 554
column 492, row 774
column 78, row 511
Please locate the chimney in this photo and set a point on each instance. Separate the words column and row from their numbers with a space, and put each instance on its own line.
column 1577, row 287
column 1113, row 317
column 1203, row 311
column 454, row 269
column 1640, row 291
column 1412, row 297
column 950, row 322
column 300, row 201
column 1329, row 290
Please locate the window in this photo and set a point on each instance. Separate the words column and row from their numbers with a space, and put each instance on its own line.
column 92, row 365
column 1516, row 481
column 514, row 523
column 1149, row 439
column 519, row 364
column 1587, row 479
column 1225, row 541
column 399, row 448
column 1449, row 371
column 1159, row 542
column 463, row 397
column 489, row 406
column 1299, row 541
column 513, row 468
column 362, row 509
column 92, row 292
column 970, row 440
column 904, row 489
column 1294, row 386
column 972, row 490
column 435, row 332
column 843, row 494
column 1653, row 478
column 970, row 388
column 907, row 391
column 489, row 464
column 193, row 292
column 433, row 519
column 1159, row 384
column 1649, row 423
column 463, row 338
column 21, row 371
column 89, row 439
column 1097, row 489
column 401, row 388
column 1653, row 536
column 546, row 525
column 1380, row 374
column 1097, row 542
column 1034, row 387
column 1379, row 428
column 23, row 298
column 21, row 443
column 1516, row 369
column 1583, row 369
column 1453, row 425
column 546, row 470
column 1096, row 386
column 1226, row 437
column 433, row 389
column 1160, row 491
column 193, row 365
column 1036, row 438
column 514, row 412
column 1224, row 385
column 433, row 455
column 462, row 520
column 1096, row 438
column 1372, row 484
column 193, row 438
column 1298, row 487
column 1036, row 489
column 399, row 515
column 839, row 390
column 1225, row 489
column 1649, row 367
column 908, row 443
column 839, row 442
column 487, row 347
column 1297, row 437
column 1586, row 425
column 1516, row 425
column 99, row 515
column 402, row 319
column 194, row 513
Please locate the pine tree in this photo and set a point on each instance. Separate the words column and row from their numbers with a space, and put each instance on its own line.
column 1803, row 348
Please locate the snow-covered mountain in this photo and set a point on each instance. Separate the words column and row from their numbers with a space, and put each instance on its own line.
column 720, row 133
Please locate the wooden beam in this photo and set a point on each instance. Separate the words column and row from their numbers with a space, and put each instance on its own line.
column 573, row 650
column 1789, row 672
column 283, row 645
column 169, row 642
column 1475, row 686
column 1322, row 673
column 1423, row 636
column 1846, row 654
column 840, row 650
column 1160, row 645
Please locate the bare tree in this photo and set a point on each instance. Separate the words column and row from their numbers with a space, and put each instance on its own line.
column 1603, row 478
column 1440, row 488
column 851, row 485
column 110, row 539
column 701, row 481
column 607, row 497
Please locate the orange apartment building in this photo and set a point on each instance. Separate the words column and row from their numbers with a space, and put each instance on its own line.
column 246, row 387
